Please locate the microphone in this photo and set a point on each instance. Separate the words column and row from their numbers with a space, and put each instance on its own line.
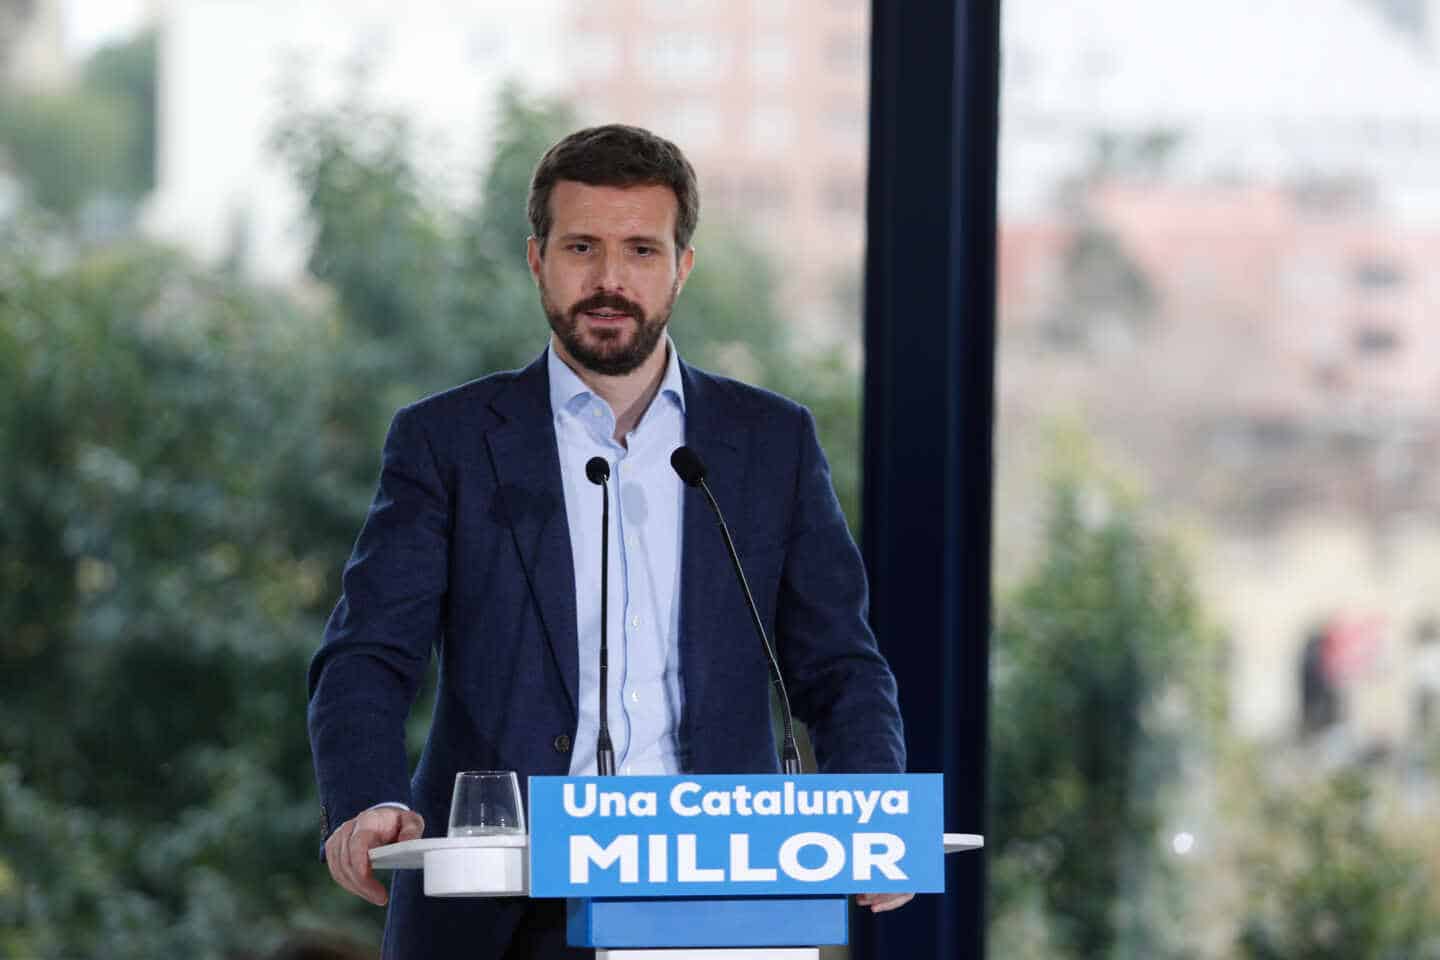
column 687, row 464
column 597, row 471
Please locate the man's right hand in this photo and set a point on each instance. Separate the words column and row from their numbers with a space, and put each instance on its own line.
column 348, row 849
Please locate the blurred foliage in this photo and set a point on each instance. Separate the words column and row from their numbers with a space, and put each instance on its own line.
column 1328, row 881
column 1097, row 675
column 184, row 461
column 88, row 150
column 166, row 560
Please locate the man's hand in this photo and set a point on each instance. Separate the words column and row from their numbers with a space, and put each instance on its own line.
column 348, row 849
column 880, row 902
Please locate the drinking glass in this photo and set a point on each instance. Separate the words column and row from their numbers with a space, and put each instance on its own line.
column 486, row 803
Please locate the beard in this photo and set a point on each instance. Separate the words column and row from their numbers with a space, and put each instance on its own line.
column 609, row 352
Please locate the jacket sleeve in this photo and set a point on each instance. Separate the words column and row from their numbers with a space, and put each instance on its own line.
column 839, row 682
column 367, row 672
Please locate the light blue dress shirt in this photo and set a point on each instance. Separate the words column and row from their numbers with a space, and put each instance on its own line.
column 645, row 534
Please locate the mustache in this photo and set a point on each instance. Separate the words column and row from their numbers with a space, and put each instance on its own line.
column 608, row 301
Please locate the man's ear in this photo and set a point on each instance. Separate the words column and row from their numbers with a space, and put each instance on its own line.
column 533, row 257
column 683, row 268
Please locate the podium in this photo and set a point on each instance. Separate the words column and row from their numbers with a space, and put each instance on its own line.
column 704, row 867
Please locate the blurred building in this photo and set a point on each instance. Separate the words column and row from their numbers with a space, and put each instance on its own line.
column 1261, row 355
column 769, row 98
column 1268, row 330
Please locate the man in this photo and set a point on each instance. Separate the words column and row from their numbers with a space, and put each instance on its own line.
column 483, row 543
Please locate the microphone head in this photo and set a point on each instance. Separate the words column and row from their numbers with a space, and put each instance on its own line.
column 687, row 464
column 597, row 470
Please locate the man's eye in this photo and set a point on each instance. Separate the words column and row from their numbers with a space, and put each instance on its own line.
column 644, row 251
column 578, row 247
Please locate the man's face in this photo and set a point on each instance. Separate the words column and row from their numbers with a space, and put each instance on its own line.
column 609, row 276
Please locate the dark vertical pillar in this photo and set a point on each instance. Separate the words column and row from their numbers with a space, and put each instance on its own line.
column 929, row 371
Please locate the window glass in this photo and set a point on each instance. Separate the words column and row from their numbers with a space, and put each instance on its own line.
column 1217, row 511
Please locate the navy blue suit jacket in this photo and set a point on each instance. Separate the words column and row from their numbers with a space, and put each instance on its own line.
column 466, row 551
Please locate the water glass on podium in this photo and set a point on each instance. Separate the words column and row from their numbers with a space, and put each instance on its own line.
column 486, row 803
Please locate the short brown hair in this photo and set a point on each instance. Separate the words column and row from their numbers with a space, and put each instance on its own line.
column 616, row 155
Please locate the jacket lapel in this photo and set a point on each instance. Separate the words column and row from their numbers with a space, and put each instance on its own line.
column 721, row 441
column 527, row 469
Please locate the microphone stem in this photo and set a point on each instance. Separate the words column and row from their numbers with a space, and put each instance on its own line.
column 604, row 749
column 789, row 752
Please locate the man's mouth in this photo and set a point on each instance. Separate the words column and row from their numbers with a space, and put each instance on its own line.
column 606, row 315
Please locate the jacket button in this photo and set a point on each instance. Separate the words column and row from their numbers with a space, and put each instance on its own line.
column 562, row 743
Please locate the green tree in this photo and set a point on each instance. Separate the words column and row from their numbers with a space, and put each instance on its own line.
column 496, row 293
column 1328, row 881
column 165, row 572
column 89, row 149
column 1094, row 656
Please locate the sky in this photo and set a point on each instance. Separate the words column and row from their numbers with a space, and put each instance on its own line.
column 92, row 23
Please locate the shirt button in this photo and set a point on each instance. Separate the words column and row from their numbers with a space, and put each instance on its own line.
column 626, row 771
column 597, row 411
column 634, row 621
column 562, row 743
column 634, row 696
column 632, row 541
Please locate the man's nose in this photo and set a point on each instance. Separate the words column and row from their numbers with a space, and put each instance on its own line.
column 609, row 272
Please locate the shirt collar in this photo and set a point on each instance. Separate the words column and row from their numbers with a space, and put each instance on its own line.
column 569, row 392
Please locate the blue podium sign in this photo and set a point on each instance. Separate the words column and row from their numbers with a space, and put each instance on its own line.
column 758, row 835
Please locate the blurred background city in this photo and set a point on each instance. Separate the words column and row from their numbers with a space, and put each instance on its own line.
column 236, row 236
